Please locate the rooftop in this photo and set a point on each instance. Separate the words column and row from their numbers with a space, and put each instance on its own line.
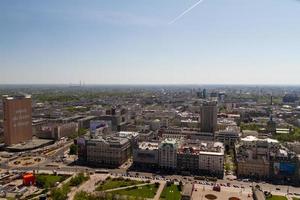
column 148, row 145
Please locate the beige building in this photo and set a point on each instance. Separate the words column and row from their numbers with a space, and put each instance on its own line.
column 167, row 153
column 202, row 157
column 255, row 167
column 17, row 119
column 57, row 131
column 211, row 158
column 110, row 151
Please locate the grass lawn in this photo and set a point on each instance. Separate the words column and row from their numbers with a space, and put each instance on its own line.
column 170, row 193
column 147, row 191
column 275, row 197
column 48, row 181
column 295, row 198
column 117, row 183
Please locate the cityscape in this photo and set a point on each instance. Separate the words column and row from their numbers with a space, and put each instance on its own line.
column 223, row 142
column 150, row 100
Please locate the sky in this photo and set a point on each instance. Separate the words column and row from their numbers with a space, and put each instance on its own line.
column 150, row 42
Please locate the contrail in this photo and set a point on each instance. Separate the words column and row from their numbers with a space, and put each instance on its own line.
column 185, row 12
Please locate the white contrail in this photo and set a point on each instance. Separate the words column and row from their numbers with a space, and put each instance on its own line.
column 185, row 12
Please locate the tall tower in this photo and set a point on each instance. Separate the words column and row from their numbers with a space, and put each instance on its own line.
column 17, row 119
column 209, row 113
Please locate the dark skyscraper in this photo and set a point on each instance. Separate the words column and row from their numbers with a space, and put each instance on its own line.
column 209, row 113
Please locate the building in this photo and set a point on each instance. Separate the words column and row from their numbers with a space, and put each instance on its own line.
column 167, row 153
column 17, row 119
column 188, row 159
column 254, row 168
column 209, row 113
column 57, row 131
column 84, row 123
column 266, row 159
column 211, row 159
column 106, row 152
column 146, row 155
column 201, row 157
column 229, row 137
column 252, row 157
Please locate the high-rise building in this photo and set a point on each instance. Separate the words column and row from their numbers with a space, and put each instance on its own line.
column 17, row 119
column 209, row 113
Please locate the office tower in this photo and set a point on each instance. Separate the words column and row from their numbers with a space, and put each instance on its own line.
column 209, row 117
column 17, row 119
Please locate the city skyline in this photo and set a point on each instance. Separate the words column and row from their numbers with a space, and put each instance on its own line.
column 137, row 42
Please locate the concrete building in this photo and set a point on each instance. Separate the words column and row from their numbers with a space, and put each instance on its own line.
column 146, row 155
column 57, row 131
column 266, row 159
column 258, row 168
column 209, row 113
column 84, row 123
column 17, row 119
column 188, row 159
column 201, row 157
column 229, row 137
column 107, row 152
column 167, row 153
column 211, row 158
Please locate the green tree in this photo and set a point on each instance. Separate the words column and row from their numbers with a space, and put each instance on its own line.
column 73, row 149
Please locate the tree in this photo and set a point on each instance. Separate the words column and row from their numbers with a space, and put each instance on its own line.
column 73, row 149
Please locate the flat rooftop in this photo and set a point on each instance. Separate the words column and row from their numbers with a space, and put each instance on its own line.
column 30, row 145
column 148, row 145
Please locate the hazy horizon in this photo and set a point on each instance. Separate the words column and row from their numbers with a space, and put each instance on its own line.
column 150, row 43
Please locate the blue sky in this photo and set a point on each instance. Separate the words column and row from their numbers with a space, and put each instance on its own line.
column 133, row 42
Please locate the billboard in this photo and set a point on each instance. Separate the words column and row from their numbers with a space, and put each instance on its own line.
column 285, row 169
column 95, row 124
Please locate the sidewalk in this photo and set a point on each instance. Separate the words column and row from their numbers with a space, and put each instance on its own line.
column 160, row 189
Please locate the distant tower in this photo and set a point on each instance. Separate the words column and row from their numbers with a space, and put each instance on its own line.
column 271, row 100
column 271, row 125
column 209, row 113
column 204, row 94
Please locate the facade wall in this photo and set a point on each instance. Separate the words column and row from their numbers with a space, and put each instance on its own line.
column 209, row 117
column 102, row 153
column 66, row 130
column 17, row 120
column 168, row 156
column 188, row 162
column 258, row 169
column 211, row 163
column 146, row 157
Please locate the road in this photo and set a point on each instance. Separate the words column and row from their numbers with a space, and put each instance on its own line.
column 67, row 168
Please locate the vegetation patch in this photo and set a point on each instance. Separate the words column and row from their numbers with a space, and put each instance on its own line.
column 147, row 191
column 49, row 181
column 117, row 183
column 61, row 193
column 171, row 192
column 276, row 197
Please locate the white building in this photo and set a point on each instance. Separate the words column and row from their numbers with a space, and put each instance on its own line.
column 167, row 153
